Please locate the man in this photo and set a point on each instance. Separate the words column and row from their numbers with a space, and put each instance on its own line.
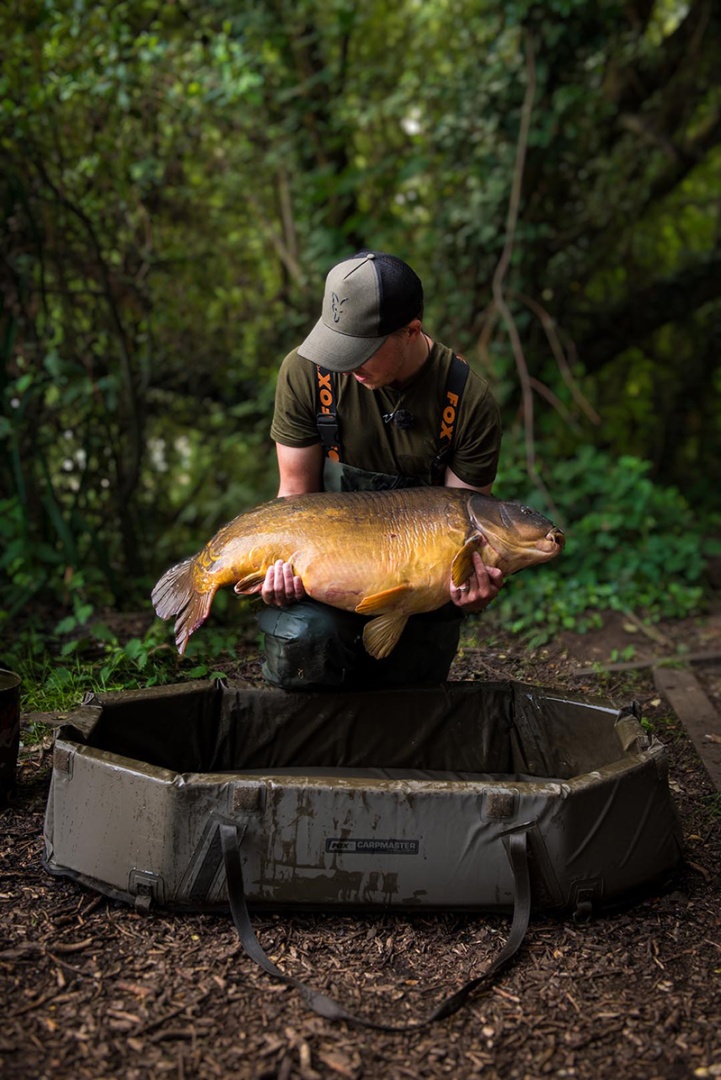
column 369, row 402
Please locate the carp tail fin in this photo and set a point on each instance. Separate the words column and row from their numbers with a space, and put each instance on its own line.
column 177, row 593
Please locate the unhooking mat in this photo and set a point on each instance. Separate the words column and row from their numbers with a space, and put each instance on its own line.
column 477, row 796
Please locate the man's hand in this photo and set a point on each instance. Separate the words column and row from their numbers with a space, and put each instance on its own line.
column 281, row 586
column 483, row 585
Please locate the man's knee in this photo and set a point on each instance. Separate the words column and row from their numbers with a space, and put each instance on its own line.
column 309, row 645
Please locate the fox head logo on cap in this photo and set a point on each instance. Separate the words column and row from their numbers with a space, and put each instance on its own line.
column 335, row 306
column 366, row 297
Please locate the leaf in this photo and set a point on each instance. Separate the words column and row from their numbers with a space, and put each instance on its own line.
column 199, row 671
column 83, row 613
column 61, row 677
column 134, row 648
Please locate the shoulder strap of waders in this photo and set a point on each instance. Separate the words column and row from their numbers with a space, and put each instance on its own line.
column 516, row 848
column 327, row 412
column 452, row 395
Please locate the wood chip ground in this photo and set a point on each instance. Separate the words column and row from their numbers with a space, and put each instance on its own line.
column 90, row 989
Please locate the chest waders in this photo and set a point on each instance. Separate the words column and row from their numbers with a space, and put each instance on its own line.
column 310, row 645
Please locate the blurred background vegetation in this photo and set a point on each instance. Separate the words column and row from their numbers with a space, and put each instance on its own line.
column 179, row 176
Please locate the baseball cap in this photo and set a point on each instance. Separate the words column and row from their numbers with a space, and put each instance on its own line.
column 367, row 296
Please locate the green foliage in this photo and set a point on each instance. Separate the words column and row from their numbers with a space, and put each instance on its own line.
column 120, row 271
column 83, row 655
column 632, row 546
column 177, row 179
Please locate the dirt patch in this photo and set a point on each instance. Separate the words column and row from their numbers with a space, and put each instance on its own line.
column 93, row 989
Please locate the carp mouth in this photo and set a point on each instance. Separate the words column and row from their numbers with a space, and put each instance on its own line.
column 553, row 542
column 511, row 554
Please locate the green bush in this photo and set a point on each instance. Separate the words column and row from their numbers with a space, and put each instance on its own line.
column 631, row 545
column 81, row 654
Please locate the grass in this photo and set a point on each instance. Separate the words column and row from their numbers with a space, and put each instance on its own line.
column 712, row 805
column 58, row 669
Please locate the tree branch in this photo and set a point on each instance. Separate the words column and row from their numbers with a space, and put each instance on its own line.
column 631, row 86
column 497, row 285
column 549, row 327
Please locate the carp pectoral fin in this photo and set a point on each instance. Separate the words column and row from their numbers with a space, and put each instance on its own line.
column 380, row 636
column 251, row 583
column 382, row 601
column 462, row 565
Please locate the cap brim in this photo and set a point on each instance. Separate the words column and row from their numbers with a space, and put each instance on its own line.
column 338, row 352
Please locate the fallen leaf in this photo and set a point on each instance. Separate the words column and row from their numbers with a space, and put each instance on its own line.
column 135, row 988
column 338, row 1063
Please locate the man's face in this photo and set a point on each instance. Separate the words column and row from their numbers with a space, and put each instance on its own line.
column 385, row 366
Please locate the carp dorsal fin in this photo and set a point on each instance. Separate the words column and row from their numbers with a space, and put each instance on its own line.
column 381, row 602
column 462, row 565
column 251, row 583
column 380, row 636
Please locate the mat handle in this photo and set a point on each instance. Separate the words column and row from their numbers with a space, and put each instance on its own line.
column 517, row 851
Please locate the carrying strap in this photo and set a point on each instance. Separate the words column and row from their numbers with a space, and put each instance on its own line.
column 455, row 385
column 329, row 428
column 516, row 849
column 327, row 414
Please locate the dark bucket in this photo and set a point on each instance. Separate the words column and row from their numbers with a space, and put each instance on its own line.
column 9, row 732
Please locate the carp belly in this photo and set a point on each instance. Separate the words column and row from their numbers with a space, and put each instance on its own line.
column 386, row 580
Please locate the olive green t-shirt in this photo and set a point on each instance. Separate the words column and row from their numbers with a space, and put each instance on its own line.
column 367, row 442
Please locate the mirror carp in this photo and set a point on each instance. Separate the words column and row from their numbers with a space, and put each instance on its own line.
column 384, row 554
